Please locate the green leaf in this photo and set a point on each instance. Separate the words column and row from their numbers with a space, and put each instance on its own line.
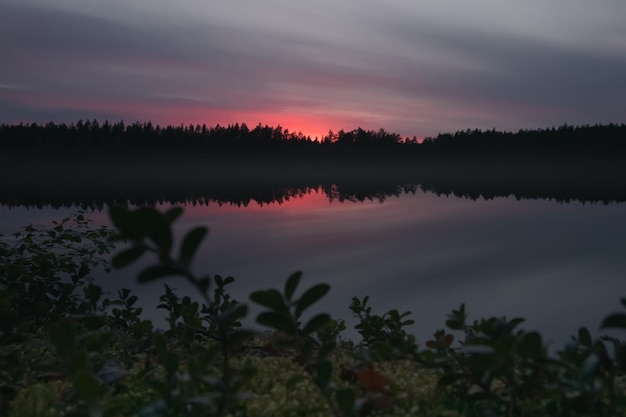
column 239, row 337
column 310, row 297
column 478, row 340
column 124, row 220
column 77, row 361
column 157, row 271
column 271, row 299
column 158, row 230
column 131, row 300
column 454, row 325
column 128, row 256
column 172, row 214
column 294, row 380
column 277, row 321
column 324, row 370
column 63, row 336
column 516, row 322
column 384, row 349
column 584, row 336
column 292, row 283
column 160, row 344
column 326, row 349
column 531, row 346
column 204, row 284
column 394, row 315
column 316, row 323
column 170, row 362
column 93, row 293
column 617, row 320
column 478, row 349
column 345, row 399
column 504, row 345
column 87, row 386
column 236, row 312
column 190, row 244
column 448, row 379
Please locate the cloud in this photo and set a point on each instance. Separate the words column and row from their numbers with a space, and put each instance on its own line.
column 409, row 67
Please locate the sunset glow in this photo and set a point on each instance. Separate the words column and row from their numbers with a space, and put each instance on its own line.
column 310, row 199
column 412, row 68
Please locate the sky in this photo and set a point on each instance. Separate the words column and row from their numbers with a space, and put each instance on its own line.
column 412, row 67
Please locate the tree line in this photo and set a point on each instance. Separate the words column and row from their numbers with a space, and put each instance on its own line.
column 236, row 137
column 566, row 139
column 239, row 138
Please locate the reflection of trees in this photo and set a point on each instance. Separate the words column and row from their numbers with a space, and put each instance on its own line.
column 361, row 192
column 335, row 193
column 90, row 191
column 98, row 199
column 89, row 164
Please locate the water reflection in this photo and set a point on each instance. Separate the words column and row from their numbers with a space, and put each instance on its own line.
column 559, row 265
column 97, row 192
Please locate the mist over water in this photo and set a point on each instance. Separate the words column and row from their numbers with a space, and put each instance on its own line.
column 560, row 266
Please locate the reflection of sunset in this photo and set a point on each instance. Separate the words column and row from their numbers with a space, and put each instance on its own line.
column 308, row 199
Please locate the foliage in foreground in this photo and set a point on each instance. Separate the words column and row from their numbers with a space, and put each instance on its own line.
column 67, row 350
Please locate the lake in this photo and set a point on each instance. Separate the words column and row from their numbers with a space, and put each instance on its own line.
column 559, row 265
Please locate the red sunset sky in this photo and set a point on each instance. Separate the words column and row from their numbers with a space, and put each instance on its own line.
column 410, row 67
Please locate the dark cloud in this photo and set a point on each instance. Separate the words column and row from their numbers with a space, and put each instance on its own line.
column 375, row 68
column 512, row 71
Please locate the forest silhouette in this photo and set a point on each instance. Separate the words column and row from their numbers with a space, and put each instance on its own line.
column 239, row 139
column 90, row 165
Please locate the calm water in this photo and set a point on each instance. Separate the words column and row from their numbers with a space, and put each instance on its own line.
column 558, row 265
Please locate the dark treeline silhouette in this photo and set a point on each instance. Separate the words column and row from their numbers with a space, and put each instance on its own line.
column 145, row 137
column 239, row 138
column 90, row 164
column 564, row 140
